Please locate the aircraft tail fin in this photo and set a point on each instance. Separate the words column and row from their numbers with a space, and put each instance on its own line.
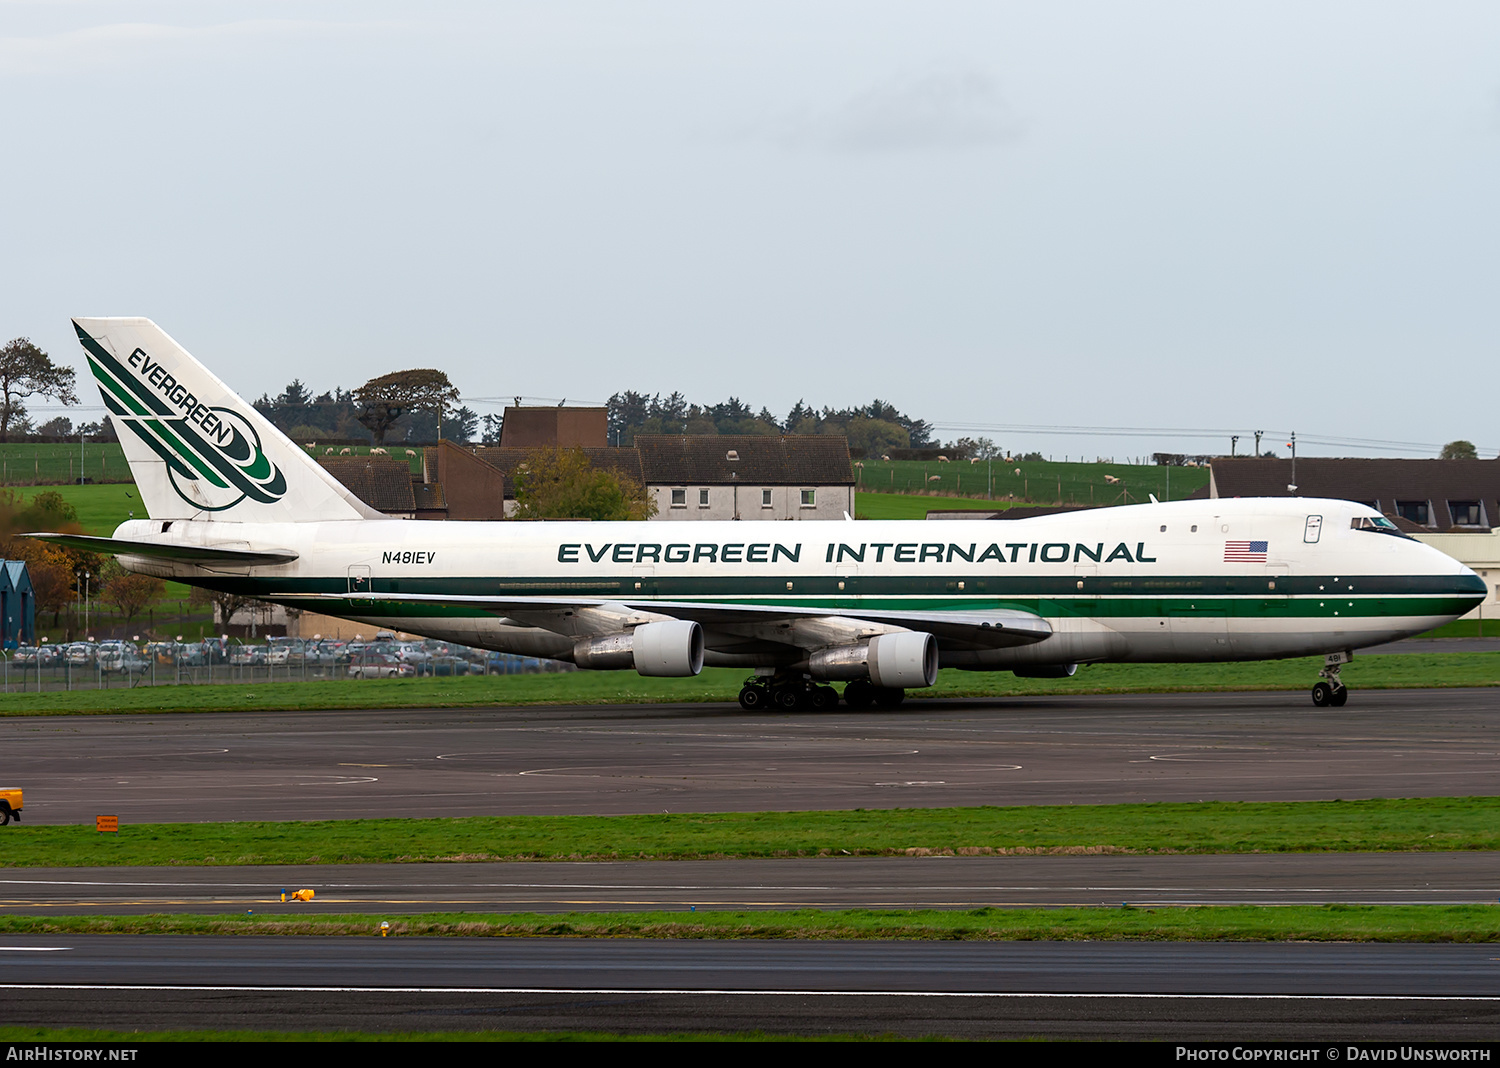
column 196, row 449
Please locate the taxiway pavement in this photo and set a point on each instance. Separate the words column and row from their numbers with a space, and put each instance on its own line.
column 1284, row 991
column 823, row 882
column 715, row 758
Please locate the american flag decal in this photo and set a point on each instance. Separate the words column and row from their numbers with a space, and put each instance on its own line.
column 1245, row 552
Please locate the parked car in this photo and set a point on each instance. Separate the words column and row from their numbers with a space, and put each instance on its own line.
column 247, row 655
column 380, row 666
column 444, row 665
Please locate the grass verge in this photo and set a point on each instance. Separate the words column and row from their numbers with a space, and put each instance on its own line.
column 1420, row 824
column 1405, row 671
column 1243, row 923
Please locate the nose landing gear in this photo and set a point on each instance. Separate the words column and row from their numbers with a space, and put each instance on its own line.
column 1332, row 693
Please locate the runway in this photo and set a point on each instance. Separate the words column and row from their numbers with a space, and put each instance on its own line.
column 383, row 890
column 692, row 758
column 1186, row 747
column 1284, row 991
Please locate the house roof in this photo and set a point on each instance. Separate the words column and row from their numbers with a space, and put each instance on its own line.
column 382, row 482
column 754, row 460
column 1384, row 484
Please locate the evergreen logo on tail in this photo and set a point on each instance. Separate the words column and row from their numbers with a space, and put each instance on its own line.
column 214, row 455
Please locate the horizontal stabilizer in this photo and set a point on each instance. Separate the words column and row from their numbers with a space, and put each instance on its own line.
column 163, row 550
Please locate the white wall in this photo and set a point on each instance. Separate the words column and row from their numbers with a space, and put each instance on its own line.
column 829, row 502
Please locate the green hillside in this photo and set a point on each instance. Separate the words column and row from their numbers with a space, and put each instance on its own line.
column 1034, row 481
column 26, row 463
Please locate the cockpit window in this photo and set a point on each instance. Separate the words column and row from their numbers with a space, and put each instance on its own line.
column 1379, row 524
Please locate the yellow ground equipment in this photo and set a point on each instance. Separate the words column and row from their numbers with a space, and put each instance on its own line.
column 10, row 805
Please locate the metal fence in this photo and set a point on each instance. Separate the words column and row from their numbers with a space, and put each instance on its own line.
column 23, row 674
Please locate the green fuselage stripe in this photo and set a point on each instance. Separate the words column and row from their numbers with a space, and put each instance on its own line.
column 1048, row 596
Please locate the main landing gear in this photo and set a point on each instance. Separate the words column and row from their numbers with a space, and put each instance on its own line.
column 1332, row 692
column 795, row 695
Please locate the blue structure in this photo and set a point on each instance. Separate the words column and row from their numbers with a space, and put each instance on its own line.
column 17, row 605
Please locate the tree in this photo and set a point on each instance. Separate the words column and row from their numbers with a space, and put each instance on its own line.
column 1460, row 450
column 463, row 425
column 27, row 371
column 59, row 427
column 562, row 484
column 226, row 605
column 128, row 591
column 295, row 394
column 385, row 399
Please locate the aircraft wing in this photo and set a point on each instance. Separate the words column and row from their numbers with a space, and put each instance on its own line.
column 164, row 550
column 991, row 629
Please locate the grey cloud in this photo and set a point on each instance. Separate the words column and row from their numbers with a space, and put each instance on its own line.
column 937, row 111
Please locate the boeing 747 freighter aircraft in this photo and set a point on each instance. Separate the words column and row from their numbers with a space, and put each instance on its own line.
column 880, row 606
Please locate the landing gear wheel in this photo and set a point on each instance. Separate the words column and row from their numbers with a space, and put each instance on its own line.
column 788, row 698
column 1332, row 691
column 754, row 697
column 822, row 698
column 889, row 698
column 859, row 694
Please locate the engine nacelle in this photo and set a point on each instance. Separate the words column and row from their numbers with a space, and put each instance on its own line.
column 895, row 661
column 670, row 649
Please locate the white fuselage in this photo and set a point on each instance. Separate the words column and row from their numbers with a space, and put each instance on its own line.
column 1185, row 581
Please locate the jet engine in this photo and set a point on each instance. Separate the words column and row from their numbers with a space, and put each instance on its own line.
column 672, row 649
column 899, row 661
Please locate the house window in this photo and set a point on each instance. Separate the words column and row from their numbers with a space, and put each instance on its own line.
column 679, row 498
column 703, row 498
column 1466, row 513
column 765, row 498
column 807, row 498
column 1415, row 511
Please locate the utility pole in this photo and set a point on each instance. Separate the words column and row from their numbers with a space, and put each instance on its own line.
column 1292, row 486
column 1258, row 435
column 1234, row 440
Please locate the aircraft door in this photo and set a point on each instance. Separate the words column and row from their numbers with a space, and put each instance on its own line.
column 359, row 578
column 1200, row 629
column 642, row 581
column 846, row 584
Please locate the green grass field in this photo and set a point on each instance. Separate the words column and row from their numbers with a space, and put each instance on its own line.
column 1039, row 481
column 100, row 508
column 1405, row 671
column 1240, row 923
column 25, row 463
column 915, row 506
column 1409, row 824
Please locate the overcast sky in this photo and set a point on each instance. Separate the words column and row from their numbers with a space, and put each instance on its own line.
column 1180, row 215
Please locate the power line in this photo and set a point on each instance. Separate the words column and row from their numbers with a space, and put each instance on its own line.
column 1220, row 433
